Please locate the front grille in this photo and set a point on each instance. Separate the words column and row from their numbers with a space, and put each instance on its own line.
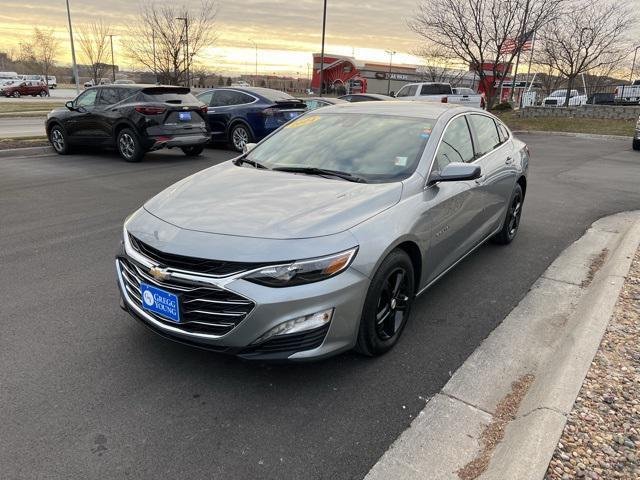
column 217, row 268
column 207, row 309
column 295, row 342
column 551, row 102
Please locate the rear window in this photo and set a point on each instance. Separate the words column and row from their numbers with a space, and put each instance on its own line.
column 436, row 89
column 274, row 95
column 174, row 95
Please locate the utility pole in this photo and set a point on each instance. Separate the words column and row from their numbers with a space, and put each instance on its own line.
column 391, row 54
column 324, row 29
column 113, row 63
column 186, row 59
column 633, row 65
column 256, row 46
column 73, row 51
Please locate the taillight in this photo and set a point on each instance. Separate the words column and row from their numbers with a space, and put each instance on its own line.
column 150, row 110
column 482, row 104
column 444, row 100
column 204, row 109
column 269, row 112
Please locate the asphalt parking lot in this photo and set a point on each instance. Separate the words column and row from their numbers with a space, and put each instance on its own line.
column 86, row 392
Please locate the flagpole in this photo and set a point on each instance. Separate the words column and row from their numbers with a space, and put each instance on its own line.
column 533, row 46
column 515, row 76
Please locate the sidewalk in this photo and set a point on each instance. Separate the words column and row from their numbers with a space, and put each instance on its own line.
column 602, row 434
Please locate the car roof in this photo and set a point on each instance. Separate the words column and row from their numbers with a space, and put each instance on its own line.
column 372, row 95
column 417, row 109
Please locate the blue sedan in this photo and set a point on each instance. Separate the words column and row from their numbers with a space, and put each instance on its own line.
column 241, row 115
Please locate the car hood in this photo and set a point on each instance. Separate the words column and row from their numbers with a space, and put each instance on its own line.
column 243, row 201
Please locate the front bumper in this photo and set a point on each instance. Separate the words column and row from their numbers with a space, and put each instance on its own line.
column 344, row 293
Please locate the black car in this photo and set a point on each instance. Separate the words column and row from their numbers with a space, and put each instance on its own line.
column 134, row 119
column 601, row 99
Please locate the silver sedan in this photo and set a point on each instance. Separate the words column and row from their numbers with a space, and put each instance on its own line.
column 318, row 239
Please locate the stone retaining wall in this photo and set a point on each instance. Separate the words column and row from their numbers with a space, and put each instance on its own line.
column 611, row 112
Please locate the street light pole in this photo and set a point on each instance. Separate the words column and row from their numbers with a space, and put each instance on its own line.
column 256, row 46
column 113, row 63
column 153, row 46
column 391, row 54
column 633, row 65
column 73, row 51
column 324, row 29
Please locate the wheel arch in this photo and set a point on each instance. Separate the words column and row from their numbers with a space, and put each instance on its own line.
column 238, row 121
column 522, row 181
column 122, row 124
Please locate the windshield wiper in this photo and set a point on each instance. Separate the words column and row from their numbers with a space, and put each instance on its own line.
column 321, row 171
column 242, row 160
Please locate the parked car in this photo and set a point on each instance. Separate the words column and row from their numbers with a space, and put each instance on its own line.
column 440, row 92
column 103, row 81
column 601, row 99
column 636, row 136
column 318, row 102
column 364, row 97
column 241, row 115
column 50, row 80
column 17, row 90
column 318, row 239
column 558, row 98
column 135, row 119
column 628, row 93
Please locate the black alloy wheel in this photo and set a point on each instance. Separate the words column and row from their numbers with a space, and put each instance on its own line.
column 387, row 305
column 512, row 220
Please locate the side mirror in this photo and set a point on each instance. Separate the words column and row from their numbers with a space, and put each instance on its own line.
column 248, row 147
column 456, row 172
column 70, row 105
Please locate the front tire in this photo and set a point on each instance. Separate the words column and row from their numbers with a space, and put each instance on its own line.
column 239, row 136
column 16, row 94
column 128, row 145
column 512, row 220
column 58, row 140
column 192, row 151
column 636, row 144
column 43, row 93
column 387, row 305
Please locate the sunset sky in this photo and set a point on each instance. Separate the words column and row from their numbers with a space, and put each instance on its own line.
column 286, row 32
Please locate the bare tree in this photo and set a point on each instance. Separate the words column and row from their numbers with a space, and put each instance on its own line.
column 477, row 32
column 45, row 49
column 589, row 35
column 439, row 64
column 157, row 40
column 94, row 45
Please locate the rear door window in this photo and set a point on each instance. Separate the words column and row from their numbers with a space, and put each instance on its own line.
column 108, row 96
column 456, row 144
column 436, row 89
column 486, row 133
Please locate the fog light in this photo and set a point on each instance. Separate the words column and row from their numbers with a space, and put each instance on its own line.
column 298, row 325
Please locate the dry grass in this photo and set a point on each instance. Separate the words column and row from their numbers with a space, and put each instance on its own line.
column 573, row 125
column 25, row 107
column 23, row 142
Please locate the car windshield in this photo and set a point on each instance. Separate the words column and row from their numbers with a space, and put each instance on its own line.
column 376, row 148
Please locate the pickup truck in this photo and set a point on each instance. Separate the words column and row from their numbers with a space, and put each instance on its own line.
column 440, row 92
column 628, row 93
column 558, row 98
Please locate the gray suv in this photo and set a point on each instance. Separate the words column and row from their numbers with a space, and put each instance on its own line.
column 318, row 239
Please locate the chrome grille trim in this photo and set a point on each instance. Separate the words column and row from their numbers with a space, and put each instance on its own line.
column 130, row 275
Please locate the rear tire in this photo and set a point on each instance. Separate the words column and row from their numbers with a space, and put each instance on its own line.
column 239, row 136
column 43, row 93
column 512, row 220
column 16, row 94
column 636, row 143
column 58, row 140
column 387, row 305
column 128, row 145
column 192, row 151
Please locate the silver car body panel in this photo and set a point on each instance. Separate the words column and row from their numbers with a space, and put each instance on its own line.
column 242, row 214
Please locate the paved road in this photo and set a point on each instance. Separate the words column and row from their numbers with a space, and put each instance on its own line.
column 88, row 393
column 21, row 127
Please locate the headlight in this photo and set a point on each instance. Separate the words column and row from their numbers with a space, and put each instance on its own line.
column 303, row 271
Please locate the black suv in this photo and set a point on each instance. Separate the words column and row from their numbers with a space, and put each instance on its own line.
column 133, row 118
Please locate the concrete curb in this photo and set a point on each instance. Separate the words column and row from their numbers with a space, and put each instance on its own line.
column 551, row 336
column 592, row 136
column 25, row 152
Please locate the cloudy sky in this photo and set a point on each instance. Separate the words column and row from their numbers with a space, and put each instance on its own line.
column 287, row 32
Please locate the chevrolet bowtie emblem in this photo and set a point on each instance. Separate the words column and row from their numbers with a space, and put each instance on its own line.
column 159, row 273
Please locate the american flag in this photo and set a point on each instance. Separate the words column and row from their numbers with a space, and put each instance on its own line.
column 510, row 45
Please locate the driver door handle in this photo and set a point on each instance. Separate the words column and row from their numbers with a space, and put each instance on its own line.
column 480, row 180
column 509, row 160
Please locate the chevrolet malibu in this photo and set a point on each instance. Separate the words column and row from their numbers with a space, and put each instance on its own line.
column 318, row 239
